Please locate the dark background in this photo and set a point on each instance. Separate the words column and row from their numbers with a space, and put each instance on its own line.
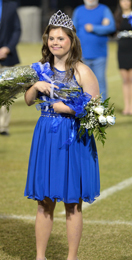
column 48, row 7
column 59, row 4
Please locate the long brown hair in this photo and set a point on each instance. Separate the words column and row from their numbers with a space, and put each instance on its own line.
column 118, row 15
column 75, row 52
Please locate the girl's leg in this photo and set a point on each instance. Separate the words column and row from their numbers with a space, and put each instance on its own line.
column 126, row 90
column 74, row 228
column 130, row 81
column 43, row 226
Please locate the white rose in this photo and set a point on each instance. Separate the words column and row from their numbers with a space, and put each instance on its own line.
column 110, row 120
column 102, row 120
column 99, row 110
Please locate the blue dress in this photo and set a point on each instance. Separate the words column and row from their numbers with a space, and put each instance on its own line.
column 58, row 167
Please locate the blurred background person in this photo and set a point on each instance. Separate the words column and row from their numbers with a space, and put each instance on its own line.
column 10, row 31
column 123, row 17
column 93, row 22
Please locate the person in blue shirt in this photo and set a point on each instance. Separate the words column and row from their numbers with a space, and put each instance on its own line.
column 93, row 23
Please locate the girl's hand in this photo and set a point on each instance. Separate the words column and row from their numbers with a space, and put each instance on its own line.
column 44, row 87
column 60, row 107
column 32, row 93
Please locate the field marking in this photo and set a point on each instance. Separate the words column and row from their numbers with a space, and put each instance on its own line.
column 93, row 222
column 106, row 193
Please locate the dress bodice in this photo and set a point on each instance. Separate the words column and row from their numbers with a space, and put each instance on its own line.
column 60, row 77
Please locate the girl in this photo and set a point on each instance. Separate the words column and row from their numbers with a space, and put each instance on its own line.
column 60, row 170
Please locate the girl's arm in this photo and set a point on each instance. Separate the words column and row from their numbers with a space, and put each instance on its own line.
column 87, row 80
column 60, row 107
column 44, row 87
column 32, row 93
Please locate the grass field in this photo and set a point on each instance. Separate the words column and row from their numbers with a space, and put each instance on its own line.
column 107, row 233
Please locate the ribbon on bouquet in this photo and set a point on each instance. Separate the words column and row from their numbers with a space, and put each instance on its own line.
column 56, row 121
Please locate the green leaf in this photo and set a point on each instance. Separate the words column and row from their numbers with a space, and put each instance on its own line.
column 90, row 132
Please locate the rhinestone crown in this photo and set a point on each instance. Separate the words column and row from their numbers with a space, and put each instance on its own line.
column 61, row 19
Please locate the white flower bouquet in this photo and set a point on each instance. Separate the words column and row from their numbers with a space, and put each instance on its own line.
column 99, row 115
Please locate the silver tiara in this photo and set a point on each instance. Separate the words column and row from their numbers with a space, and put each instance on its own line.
column 61, row 19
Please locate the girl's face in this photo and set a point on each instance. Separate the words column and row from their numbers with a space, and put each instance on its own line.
column 125, row 4
column 59, row 43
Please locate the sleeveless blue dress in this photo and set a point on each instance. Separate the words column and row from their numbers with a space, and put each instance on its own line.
column 59, row 169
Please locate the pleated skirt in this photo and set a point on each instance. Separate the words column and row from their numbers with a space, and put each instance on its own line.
column 59, row 170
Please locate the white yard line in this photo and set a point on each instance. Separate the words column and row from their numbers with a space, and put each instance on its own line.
column 93, row 222
column 108, row 192
column 104, row 194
